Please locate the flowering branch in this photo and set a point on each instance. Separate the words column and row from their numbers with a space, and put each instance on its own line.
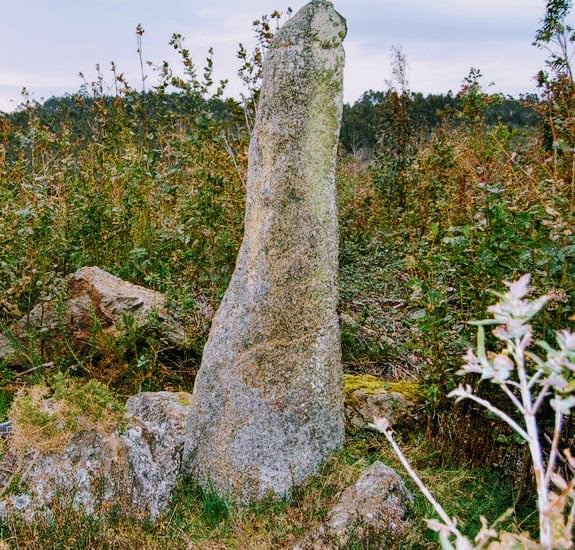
column 528, row 380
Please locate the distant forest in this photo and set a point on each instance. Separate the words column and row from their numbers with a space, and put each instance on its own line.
column 362, row 124
column 362, row 121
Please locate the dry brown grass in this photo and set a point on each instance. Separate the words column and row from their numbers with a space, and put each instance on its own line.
column 44, row 419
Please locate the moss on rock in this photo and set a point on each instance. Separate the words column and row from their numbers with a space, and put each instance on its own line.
column 412, row 391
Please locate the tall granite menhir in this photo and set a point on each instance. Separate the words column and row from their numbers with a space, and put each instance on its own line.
column 268, row 404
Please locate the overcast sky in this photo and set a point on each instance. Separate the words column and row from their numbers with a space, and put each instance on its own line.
column 45, row 43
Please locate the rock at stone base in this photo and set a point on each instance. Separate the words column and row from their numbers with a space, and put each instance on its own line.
column 154, row 442
column 361, row 407
column 375, row 507
column 136, row 468
column 93, row 296
column 368, row 397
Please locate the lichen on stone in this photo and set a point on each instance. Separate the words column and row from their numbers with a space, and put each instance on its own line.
column 184, row 398
column 94, row 454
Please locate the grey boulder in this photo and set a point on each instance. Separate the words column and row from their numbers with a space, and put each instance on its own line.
column 136, row 467
column 374, row 508
column 95, row 299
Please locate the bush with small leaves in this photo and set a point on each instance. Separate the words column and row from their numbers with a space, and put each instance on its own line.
column 529, row 380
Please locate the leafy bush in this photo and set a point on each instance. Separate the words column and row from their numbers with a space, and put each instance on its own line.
column 529, row 382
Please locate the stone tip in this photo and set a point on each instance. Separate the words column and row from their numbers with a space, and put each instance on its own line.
column 319, row 21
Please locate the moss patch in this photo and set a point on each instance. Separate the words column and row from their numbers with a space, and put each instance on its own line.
column 409, row 389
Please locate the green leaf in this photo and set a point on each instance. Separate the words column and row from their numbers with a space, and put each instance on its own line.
column 481, row 343
column 544, row 345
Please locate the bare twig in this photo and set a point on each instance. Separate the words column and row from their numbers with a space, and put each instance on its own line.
column 42, row 366
column 382, row 426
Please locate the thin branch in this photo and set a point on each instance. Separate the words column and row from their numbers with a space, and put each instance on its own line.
column 43, row 365
column 535, row 378
column 554, row 446
column 436, row 506
column 507, row 419
column 540, row 398
column 522, row 373
column 232, row 156
column 513, row 398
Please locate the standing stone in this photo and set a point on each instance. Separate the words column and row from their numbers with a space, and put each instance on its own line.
column 268, row 403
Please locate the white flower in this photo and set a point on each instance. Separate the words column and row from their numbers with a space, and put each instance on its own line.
column 512, row 310
column 566, row 340
column 513, row 328
column 520, row 288
column 502, row 367
column 518, row 310
column 563, row 404
column 472, row 363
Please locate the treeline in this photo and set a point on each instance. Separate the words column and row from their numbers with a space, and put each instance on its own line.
column 362, row 124
column 80, row 112
column 363, row 121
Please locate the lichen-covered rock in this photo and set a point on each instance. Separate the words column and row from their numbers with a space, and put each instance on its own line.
column 368, row 397
column 83, row 475
column 361, row 407
column 374, row 508
column 94, row 297
column 154, row 442
column 268, row 401
column 135, row 466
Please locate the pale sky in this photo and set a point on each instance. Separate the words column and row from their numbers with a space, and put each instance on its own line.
column 45, row 43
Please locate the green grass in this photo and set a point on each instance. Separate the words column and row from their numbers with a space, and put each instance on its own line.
column 5, row 402
column 203, row 518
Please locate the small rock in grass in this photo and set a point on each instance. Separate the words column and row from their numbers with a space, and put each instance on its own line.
column 368, row 397
column 375, row 508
